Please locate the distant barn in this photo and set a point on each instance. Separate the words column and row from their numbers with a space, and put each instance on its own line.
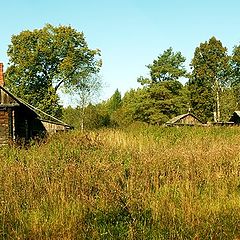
column 21, row 121
column 187, row 119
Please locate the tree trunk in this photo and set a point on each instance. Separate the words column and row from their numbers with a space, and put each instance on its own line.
column 218, row 107
column 82, row 119
column 218, row 115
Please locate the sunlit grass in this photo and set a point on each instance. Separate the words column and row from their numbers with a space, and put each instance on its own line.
column 137, row 183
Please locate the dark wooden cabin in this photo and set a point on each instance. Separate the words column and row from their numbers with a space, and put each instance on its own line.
column 21, row 121
column 187, row 119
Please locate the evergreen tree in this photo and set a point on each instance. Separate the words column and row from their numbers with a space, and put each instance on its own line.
column 168, row 66
column 162, row 96
column 155, row 104
column 115, row 101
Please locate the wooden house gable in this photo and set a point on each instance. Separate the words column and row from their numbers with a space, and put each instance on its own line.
column 188, row 119
column 184, row 119
column 20, row 120
column 6, row 98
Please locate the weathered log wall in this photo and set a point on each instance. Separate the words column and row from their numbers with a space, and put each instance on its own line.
column 4, row 127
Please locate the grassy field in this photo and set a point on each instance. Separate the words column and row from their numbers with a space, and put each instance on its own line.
column 137, row 183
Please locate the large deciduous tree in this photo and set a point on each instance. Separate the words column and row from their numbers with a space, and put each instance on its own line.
column 210, row 74
column 43, row 60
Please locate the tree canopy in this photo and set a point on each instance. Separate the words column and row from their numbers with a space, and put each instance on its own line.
column 43, row 60
column 162, row 96
column 210, row 75
column 167, row 66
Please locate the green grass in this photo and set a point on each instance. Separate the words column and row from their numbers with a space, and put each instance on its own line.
column 138, row 183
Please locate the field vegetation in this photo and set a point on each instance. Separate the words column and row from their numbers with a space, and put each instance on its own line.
column 143, row 182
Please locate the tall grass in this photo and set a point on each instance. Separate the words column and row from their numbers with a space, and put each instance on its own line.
column 139, row 183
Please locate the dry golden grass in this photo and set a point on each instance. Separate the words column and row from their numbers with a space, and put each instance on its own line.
column 140, row 183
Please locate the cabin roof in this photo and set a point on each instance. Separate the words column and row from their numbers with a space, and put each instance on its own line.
column 179, row 117
column 39, row 113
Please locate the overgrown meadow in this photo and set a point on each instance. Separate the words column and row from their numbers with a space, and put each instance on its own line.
column 138, row 183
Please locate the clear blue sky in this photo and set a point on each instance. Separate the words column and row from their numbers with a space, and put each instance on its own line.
column 130, row 33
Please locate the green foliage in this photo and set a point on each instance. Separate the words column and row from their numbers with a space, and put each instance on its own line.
column 71, row 116
column 209, row 77
column 114, row 105
column 162, row 96
column 167, row 66
column 156, row 104
column 235, row 64
column 115, row 101
column 229, row 102
column 235, row 76
column 109, row 110
column 43, row 60
column 92, row 117
column 135, row 105
column 201, row 99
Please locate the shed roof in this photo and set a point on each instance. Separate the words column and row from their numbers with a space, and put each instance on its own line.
column 179, row 117
column 39, row 113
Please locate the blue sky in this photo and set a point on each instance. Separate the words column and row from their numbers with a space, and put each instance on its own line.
column 130, row 33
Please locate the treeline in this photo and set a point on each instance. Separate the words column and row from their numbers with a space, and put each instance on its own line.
column 211, row 91
column 46, row 61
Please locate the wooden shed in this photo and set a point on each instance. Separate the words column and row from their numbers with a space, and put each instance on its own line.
column 187, row 119
column 21, row 121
